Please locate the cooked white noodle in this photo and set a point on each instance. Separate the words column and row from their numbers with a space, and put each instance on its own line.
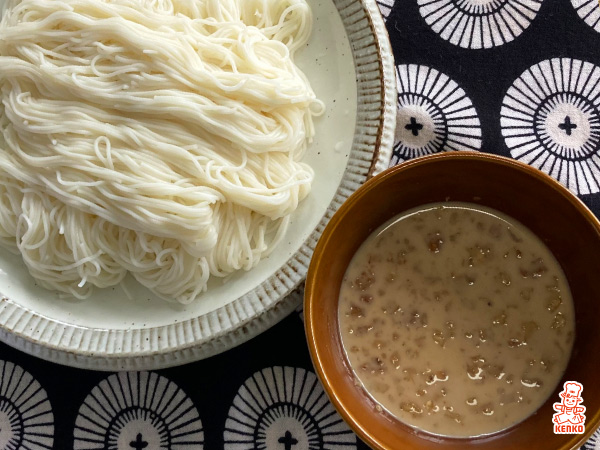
column 158, row 137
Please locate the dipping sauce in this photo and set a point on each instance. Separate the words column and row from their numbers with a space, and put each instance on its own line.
column 456, row 319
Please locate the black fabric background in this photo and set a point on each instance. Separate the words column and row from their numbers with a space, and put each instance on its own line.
column 485, row 75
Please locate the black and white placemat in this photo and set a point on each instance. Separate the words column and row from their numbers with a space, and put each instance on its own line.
column 520, row 78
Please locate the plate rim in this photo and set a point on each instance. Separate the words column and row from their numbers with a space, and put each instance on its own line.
column 259, row 309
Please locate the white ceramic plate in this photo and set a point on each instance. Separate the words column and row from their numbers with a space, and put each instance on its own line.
column 350, row 66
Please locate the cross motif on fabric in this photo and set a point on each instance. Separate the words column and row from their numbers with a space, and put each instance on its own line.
column 567, row 126
column 288, row 440
column 139, row 443
column 414, row 126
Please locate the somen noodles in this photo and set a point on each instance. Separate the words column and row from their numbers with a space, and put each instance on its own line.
column 162, row 138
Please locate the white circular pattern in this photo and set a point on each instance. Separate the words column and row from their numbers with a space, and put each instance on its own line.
column 137, row 410
column 479, row 24
column 550, row 119
column 593, row 443
column 434, row 114
column 285, row 408
column 589, row 11
column 385, row 7
column 26, row 419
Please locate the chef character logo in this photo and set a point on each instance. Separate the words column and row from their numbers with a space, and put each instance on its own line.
column 570, row 417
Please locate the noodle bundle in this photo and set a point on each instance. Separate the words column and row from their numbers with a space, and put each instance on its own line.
column 161, row 138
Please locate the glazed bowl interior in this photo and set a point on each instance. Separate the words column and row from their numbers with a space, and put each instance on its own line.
column 563, row 222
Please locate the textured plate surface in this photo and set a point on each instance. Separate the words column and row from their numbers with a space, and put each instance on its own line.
column 350, row 66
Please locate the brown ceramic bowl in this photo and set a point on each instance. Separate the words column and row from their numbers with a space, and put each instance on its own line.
column 563, row 222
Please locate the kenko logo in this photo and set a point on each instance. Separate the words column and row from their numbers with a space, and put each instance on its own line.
column 570, row 417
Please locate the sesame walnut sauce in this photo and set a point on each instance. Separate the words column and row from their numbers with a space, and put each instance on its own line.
column 456, row 319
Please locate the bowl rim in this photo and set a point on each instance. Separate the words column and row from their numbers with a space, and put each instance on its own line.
column 311, row 322
column 273, row 299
